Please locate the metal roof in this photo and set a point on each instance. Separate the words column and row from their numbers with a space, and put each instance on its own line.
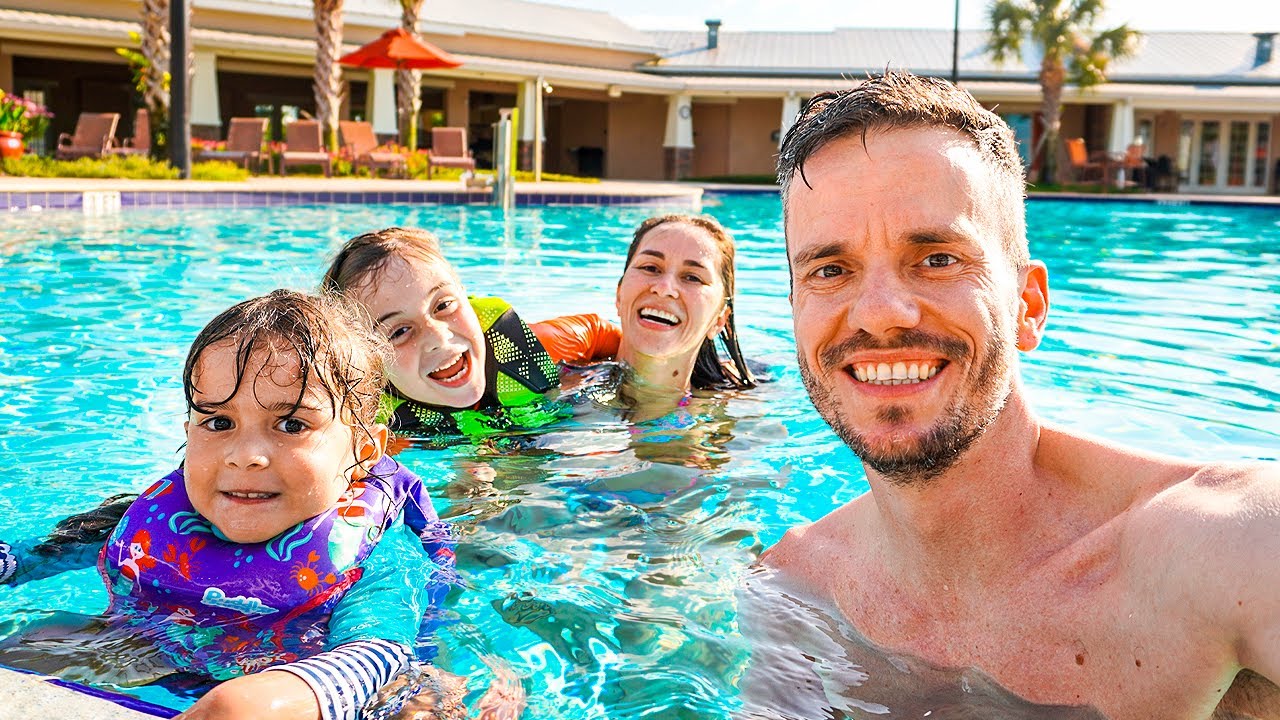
column 1166, row 57
column 496, row 18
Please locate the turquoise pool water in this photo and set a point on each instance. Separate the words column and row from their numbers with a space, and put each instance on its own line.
column 603, row 565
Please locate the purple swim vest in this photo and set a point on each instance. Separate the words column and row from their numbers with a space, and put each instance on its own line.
column 225, row 609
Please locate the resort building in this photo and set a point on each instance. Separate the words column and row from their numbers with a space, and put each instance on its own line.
column 618, row 102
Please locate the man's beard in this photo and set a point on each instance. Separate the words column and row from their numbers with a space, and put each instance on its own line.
column 941, row 446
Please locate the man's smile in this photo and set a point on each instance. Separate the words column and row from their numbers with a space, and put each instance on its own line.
column 899, row 372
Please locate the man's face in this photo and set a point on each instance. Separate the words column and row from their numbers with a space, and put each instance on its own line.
column 907, row 310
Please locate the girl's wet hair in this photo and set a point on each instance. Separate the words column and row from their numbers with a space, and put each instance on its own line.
column 709, row 373
column 329, row 337
column 365, row 255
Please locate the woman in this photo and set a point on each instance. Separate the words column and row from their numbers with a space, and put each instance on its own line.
column 674, row 299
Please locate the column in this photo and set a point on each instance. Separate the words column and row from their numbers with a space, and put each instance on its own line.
column 380, row 105
column 526, row 104
column 1122, row 126
column 790, row 110
column 206, row 113
column 677, row 144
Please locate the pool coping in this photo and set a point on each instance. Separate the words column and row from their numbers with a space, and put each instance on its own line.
column 110, row 195
column 41, row 696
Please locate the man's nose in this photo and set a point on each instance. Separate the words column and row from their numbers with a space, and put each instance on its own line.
column 885, row 303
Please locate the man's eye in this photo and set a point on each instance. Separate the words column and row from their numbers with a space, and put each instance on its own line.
column 939, row 260
column 828, row 271
column 291, row 425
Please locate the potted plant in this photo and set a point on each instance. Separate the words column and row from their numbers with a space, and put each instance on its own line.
column 20, row 118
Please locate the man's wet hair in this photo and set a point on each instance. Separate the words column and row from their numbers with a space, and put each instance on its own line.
column 899, row 100
column 329, row 337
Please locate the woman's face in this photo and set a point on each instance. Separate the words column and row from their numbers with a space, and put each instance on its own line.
column 439, row 347
column 672, row 295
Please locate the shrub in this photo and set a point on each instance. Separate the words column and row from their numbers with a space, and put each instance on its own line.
column 133, row 167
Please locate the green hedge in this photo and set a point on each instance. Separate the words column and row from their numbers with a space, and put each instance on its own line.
column 133, row 167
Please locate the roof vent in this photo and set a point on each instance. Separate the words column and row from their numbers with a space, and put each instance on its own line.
column 1266, row 42
column 713, row 34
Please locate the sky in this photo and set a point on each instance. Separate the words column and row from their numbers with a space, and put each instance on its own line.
column 1219, row 15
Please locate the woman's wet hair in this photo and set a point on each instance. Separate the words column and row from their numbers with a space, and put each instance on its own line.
column 709, row 372
column 329, row 337
column 365, row 255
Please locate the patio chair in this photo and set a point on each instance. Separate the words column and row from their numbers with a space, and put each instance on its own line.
column 93, row 135
column 449, row 149
column 140, row 143
column 304, row 145
column 244, row 143
column 1083, row 169
column 1134, row 165
column 359, row 140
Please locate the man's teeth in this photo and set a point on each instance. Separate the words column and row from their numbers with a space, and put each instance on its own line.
column 251, row 495
column 659, row 315
column 898, row 373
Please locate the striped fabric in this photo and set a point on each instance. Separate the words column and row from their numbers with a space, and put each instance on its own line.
column 345, row 677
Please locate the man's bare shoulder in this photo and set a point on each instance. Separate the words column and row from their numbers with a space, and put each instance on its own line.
column 808, row 554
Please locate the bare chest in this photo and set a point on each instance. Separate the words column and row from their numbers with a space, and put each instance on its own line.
column 1093, row 640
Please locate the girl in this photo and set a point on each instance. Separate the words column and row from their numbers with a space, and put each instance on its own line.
column 252, row 554
column 462, row 366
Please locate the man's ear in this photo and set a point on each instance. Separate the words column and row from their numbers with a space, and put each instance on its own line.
column 370, row 449
column 1033, row 305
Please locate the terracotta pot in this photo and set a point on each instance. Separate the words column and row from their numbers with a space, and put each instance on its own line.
column 10, row 144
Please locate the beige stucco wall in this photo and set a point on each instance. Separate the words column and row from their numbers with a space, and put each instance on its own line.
column 1165, row 134
column 581, row 123
column 751, row 125
column 636, row 126
column 712, row 138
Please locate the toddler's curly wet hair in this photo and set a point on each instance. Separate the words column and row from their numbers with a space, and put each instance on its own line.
column 329, row 336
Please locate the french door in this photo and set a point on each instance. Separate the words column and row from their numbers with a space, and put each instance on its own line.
column 1224, row 154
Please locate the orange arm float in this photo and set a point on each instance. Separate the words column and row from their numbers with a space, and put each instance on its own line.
column 578, row 338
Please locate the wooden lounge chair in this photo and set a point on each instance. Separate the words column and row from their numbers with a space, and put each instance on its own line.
column 140, row 143
column 1083, row 169
column 304, row 145
column 449, row 149
column 93, row 135
column 359, row 140
column 244, row 143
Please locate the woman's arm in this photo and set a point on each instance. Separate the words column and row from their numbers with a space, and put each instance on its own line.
column 578, row 338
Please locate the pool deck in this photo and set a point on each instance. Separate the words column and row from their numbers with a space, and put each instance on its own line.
column 33, row 696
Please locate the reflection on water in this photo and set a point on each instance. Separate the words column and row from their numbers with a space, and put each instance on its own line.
column 808, row 662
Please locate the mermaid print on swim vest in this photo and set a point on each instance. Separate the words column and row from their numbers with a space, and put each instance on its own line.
column 520, row 373
column 224, row 609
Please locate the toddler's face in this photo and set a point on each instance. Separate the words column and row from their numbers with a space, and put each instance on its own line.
column 255, row 465
column 439, row 347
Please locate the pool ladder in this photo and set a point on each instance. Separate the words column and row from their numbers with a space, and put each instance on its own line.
column 101, row 202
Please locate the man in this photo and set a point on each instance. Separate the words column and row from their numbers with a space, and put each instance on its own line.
column 1041, row 572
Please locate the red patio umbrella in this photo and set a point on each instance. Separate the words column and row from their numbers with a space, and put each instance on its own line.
column 399, row 50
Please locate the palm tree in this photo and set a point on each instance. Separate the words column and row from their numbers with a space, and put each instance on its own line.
column 328, row 73
column 1063, row 30
column 409, row 82
column 155, row 50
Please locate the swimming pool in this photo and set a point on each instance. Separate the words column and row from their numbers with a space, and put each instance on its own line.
column 602, row 566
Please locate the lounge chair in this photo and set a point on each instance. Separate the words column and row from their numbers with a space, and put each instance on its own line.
column 244, row 143
column 1083, row 169
column 93, row 135
column 449, row 149
column 140, row 143
column 359, row 140
column 1134, row 165
column 304, row 145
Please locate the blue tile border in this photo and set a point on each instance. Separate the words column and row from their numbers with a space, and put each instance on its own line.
column 153, row 199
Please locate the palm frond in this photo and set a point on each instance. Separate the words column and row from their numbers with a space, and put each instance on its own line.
column 1009, row 22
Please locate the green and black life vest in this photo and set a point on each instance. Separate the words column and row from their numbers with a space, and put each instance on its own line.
column 519, row 373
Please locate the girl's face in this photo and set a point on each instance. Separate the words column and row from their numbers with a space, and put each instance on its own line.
column 672, row 297
column 439, row 347
column 256, row 465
